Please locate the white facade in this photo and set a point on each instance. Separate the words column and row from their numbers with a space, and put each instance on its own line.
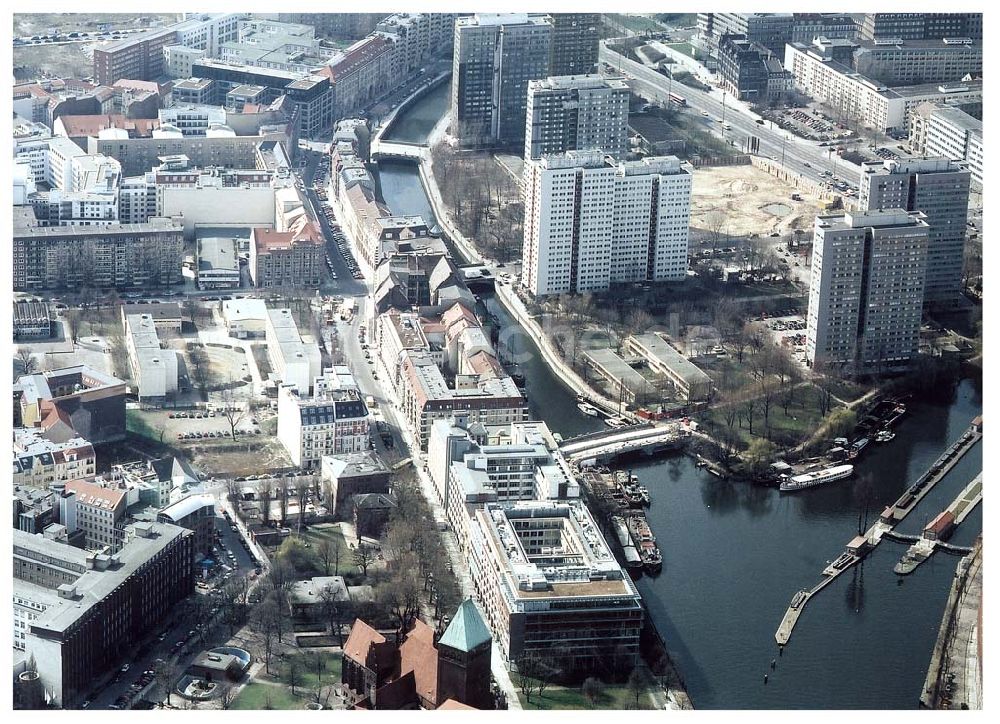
column 591, row 221
column 954, row 134
column 153, row 370
column 294, row 362
column 192, row 120
column 209, row 31
column 331, row 423
column 178, row 60
column 866, row 290
column 245, row 317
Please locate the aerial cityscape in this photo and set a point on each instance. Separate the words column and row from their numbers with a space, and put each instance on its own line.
column 497, row 360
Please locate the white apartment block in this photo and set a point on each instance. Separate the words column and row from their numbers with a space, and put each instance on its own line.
column 333, row 422
column 294, row 361
column 591, row 221
column 866, row 290
column 99, row 512
column 208, row 31
column 576, row 113
column 857, row 97
column 153, row 369
column 950, row 132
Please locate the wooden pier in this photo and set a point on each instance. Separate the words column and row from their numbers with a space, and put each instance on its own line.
column 860, row 546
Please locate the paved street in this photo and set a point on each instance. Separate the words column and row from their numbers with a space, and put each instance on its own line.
column 720, row 106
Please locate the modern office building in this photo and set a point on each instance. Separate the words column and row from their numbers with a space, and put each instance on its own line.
column 312, row 95
column 197, row 514
column 576, row 113
column 917, row 62
column 750, row 71
column 550, row 586
column 922, row 26
column 32, row 320
column 772, row 30
column 575, row 43
column 137, row 57
column 591, row 221
column 939, row 188
column 472, row 464
column 120, row 256
column 80, row 614
column 944, row 131
column 495, row 55
column 866, row 291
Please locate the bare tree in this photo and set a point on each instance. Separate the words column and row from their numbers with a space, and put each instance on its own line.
column 333, row 611
column 283, row 497
column 71, row 319
column 364, row 556
column 401, row 598
column 27, row 360
column 167, row 673
column 327, row 552
column 265, row 492
column 235, row 407
column 637, row 684
column 302, row 485
column 227, row 696
column 593, row 689
column 527, row 666
column 293, row 674
column 266, row 622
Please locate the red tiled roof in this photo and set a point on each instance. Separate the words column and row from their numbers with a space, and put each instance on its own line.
column 92, row 125
column 362, row 52
column 419, row 655
column 96, row 496
column 360, row 642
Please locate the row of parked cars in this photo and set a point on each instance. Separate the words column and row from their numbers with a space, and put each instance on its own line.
column 134, row 691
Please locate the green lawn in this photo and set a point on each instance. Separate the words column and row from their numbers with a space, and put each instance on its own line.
column 686, row 48
column 315, row 535
column 559, row 697
column 307, row 675
column 255, row 697
column 136, row 425
column 802, row 419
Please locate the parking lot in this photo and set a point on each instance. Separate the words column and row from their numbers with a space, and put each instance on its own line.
column 338, row 238
column 809, row 123
column 208, row 425
column 789, row 331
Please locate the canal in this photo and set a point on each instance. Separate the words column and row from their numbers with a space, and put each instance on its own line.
column 735, row 554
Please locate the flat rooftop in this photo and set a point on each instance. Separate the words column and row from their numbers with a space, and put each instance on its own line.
column 93, row 585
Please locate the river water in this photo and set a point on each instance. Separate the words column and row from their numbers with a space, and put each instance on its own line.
column 735, row 554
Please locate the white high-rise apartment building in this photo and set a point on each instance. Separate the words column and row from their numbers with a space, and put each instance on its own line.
column 939, row 188
column 591, row 221
column 576, row 113
column 866, row 290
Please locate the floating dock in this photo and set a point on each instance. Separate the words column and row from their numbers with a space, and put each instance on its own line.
column 861, row 545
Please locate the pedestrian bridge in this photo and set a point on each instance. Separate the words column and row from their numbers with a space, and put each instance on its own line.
column 381, row 149
column 605, row 446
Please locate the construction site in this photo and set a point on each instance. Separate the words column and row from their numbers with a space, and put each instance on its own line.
column 742, row 200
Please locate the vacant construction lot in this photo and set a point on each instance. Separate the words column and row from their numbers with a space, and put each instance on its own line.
column 745, row 201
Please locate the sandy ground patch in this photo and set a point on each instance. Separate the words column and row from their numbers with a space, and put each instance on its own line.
column 751, row 202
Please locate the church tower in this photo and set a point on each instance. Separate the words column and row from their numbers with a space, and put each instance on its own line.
column 464, row 659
